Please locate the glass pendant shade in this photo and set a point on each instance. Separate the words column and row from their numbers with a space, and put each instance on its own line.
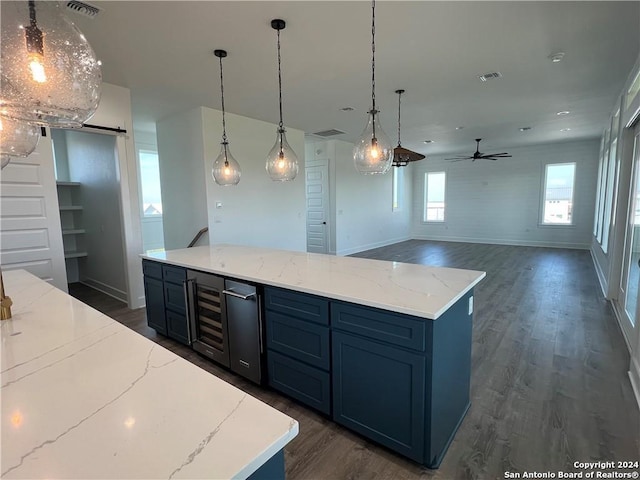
column 282, row 162
column 373, row 154
column 50, row 74
column 226, row 170
column 17, row 138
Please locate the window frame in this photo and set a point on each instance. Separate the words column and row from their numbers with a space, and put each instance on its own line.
column 146, row 150
column 543, row 196
column 425, row 198
column 397, row 189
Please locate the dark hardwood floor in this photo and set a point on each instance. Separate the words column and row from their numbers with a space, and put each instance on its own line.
column 549, row 381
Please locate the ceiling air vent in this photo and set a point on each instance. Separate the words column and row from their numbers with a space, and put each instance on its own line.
column 329, row 133
column 83, row 8
column 489, row 76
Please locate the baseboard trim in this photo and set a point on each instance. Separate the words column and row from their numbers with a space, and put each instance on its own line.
column 600, row 274
column 634, row 376
column 495, row 241
column 106, row 289
column 362, row 248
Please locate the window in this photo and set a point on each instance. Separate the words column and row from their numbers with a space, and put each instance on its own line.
column 558, row 194
column 150, row 184
column 434, row 191
column 612, row 176
column 396, row 188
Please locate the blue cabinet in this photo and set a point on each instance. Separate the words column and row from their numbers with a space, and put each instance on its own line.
column 298, row 346
column 379, row 391
column 175, row 302
column 154, row 295
column 399, row 380
column 165, row 299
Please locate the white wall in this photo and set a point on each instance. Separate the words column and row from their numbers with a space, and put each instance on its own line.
column 363, row 204
column 500, row 202
column 184, row 199
column 115, row 111
column 257, row 211
column 92, row 162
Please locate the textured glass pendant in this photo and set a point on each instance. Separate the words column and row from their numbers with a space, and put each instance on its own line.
column 282, row 162
column 373, row 153
column 50, row 74
column 17, row 139
column 226, row 170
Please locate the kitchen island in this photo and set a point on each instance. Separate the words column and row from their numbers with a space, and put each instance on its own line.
column 383, row 348
column 85, row 397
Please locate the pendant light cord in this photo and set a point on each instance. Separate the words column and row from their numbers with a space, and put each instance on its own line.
column 373, row 64
column 280, row 125
column 32, row 13
column 224, row 124
column 399, row 96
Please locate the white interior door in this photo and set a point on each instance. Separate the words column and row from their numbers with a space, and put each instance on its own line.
column 30, row 232
column 317, row 197
column 631, row 266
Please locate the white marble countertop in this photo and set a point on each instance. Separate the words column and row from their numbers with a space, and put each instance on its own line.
column 85, row 397
column 418, row 290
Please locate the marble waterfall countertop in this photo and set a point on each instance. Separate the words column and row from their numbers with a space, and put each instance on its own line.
column 418, row 290
column 85, row 397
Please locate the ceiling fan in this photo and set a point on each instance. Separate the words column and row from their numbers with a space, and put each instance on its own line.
column 480, row 156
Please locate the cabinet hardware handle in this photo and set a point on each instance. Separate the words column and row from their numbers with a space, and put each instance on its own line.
column 237, row 295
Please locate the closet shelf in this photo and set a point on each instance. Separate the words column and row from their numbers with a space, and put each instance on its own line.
column 73, row 232
column 70, row 207
column 74, row 254
column 68, row 184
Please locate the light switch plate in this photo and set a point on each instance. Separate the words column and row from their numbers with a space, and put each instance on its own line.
column 470, row 305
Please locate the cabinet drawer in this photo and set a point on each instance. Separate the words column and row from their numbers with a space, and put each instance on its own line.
column 388, row 327
column 300, row 305
column 174, row 274
column 177, row 326
column 302, row 340
column 174, row 297
column 309, row 385
column 152, row 269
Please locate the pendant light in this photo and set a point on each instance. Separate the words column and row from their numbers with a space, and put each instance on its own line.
column 402, row 156
column 225, row 170
column 50, row 75
column 373, row 153
column 17, row 139
column 282, row 162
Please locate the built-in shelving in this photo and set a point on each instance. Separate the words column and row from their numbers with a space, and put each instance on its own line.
column 74, row 254
column 71, row 210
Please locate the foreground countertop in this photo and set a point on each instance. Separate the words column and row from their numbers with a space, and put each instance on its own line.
column 85, row 397
column 417, row 290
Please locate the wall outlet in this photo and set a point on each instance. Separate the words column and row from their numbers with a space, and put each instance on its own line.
column 470, row 305
column 218, row 204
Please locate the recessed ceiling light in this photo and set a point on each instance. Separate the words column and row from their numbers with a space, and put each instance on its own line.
column 556, row 57
column 524, row 129
column 563, row 112
column 565, row 129
column 429, row 141
column 346, row 109
column 459, row 128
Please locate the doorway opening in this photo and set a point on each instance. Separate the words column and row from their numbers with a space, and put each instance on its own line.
column 88, row 184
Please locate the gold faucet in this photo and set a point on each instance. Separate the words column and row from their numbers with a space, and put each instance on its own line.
column 5, row 302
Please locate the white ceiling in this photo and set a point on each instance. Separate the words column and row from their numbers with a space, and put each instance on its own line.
column 162, row 51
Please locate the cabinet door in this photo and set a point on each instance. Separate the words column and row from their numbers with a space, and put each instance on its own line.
column 154, row 295
column 379, row 391
column 177, row 327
